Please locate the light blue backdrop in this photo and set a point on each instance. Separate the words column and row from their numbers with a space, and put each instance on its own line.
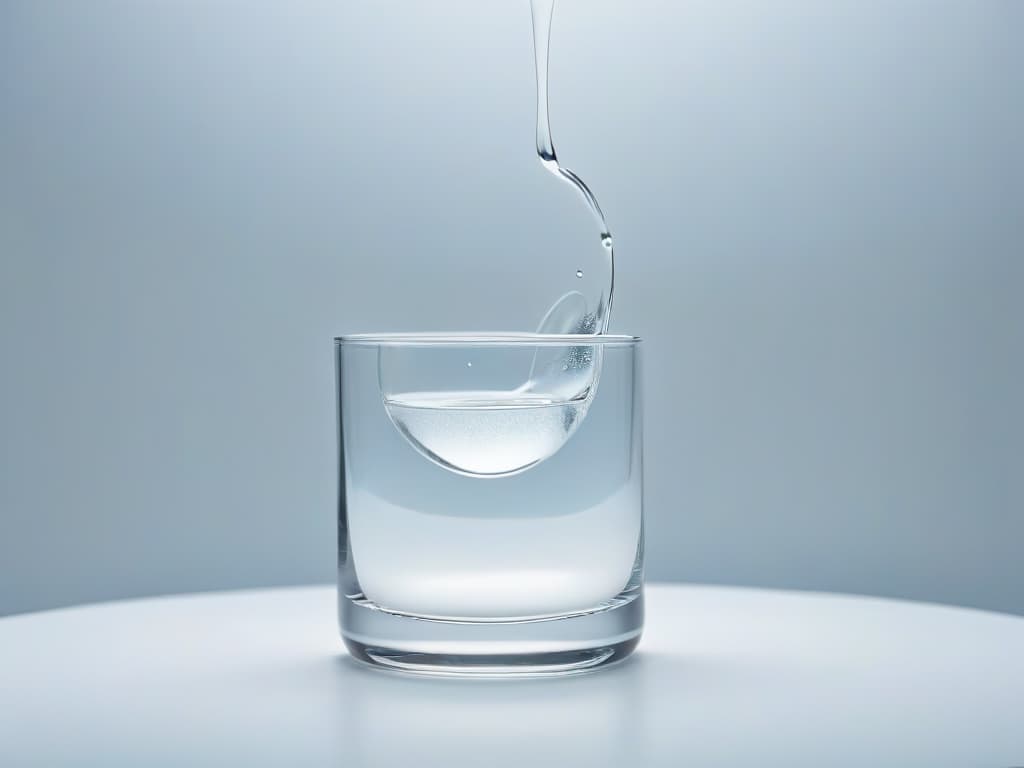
column 818, row 214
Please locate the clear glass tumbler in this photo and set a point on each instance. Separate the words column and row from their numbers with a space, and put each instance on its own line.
column 490, row 507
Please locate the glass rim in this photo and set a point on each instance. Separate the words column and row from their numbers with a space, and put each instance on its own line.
column 477, row 339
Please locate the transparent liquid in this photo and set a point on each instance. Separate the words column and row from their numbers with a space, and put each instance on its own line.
column 501, row 432
column 583, row 309
column 486, row 433
column 594, row 316
column 562, row 535
column 482, row 567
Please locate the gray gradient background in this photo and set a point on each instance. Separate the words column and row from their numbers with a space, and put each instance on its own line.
column 818, row 212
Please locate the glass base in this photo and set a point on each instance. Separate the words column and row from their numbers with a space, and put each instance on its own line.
column 561, row 645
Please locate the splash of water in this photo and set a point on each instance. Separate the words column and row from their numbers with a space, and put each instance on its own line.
column 499, row 433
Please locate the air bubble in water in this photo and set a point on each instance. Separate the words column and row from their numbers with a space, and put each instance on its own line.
column 579, row 273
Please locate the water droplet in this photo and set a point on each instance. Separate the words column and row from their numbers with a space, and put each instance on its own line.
column 469, row 365
column 579, row 273
column 606, row 240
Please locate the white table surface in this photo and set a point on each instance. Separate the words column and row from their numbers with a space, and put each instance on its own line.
column 723, row 677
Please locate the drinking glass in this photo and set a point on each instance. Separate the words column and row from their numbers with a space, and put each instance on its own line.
column 490, row 506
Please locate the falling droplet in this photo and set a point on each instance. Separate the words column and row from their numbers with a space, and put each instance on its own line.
column 579, row 273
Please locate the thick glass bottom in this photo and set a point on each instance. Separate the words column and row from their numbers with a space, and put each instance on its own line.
column 580, row 642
